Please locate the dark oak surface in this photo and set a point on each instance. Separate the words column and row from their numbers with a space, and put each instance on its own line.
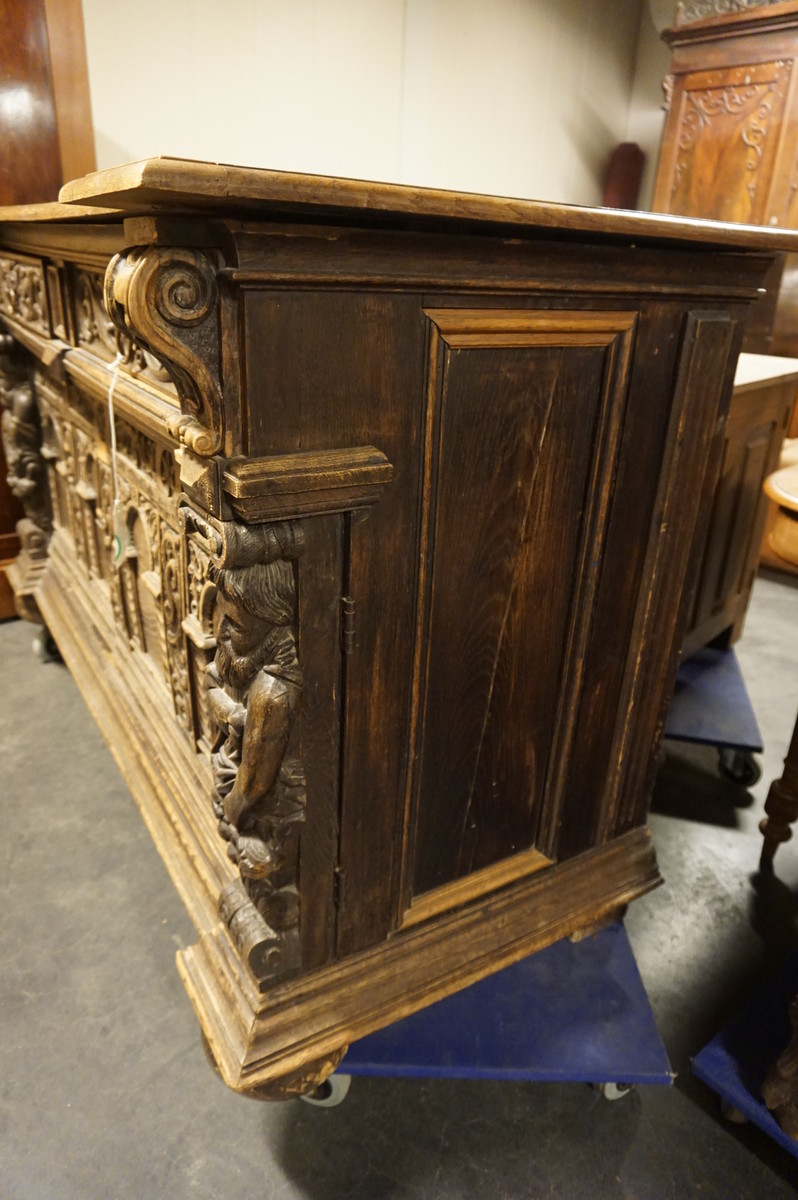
column 407, row 487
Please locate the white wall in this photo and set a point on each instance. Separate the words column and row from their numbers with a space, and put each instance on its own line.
column 646, row 112
column 521, row 97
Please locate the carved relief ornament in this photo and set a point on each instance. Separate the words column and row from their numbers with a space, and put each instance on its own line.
column 27, row 476
column 167, row 301
column 254, row 685
column 688, row 11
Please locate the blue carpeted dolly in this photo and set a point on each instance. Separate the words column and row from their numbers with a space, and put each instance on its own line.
column 734, row 1063
column 575, row 1012
column 710, row 705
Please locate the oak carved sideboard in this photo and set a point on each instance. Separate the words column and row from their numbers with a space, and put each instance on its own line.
column 363, row 516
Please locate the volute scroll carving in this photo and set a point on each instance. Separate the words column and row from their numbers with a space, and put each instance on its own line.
column 253, row 687
column 167, row 300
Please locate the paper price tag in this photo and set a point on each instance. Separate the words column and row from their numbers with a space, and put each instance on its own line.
column 121, row 539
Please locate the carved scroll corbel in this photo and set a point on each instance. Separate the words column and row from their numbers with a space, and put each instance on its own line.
column 167, row 299
column 254, row 684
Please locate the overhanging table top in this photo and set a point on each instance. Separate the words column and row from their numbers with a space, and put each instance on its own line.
column 173, row 184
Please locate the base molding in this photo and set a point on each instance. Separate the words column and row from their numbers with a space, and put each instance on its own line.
column 285, row 1040
column 303, row 1021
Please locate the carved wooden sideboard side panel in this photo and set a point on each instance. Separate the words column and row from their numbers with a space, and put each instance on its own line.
column 310, row 670
column 27, row 469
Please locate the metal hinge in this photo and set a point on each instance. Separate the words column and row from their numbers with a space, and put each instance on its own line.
column 348, row 624
column 339, row 887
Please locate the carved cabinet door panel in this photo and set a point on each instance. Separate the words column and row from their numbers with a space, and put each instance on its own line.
column 722, row 141
column 522, row 431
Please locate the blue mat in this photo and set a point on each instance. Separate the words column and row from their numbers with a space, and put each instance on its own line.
column 572, row 1012
column 735, row 1062
column 710, row 704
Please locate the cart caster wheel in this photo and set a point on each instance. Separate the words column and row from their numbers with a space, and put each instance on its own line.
column 44, row 646
column 331, row 1092
column 614, row 1091
column 739, row 766
column 730, row 1113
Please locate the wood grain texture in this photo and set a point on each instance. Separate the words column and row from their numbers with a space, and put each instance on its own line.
column 398, row 614
column 752, row 439
column 180, row 182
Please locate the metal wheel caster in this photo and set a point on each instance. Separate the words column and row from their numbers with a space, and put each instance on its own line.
column 44, row 646
column 614, row 1091
column 739, row 766
column 732, row 1114
column 333, row 1091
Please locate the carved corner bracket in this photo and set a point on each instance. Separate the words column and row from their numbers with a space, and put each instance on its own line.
column 167, row 299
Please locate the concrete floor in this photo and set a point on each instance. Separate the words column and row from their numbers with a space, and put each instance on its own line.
column 105, row 1092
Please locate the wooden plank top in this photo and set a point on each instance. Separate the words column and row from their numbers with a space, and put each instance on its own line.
column 49, row 212
column 758, row 368
column 181, row 185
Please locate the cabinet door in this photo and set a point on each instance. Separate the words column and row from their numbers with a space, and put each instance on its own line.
column 523, row 425
column 721, row 142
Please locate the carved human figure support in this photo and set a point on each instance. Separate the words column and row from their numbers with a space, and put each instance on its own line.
column 254, row 687
column 27, row 477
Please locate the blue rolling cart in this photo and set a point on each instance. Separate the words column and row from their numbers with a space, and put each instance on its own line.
column 574, row 1012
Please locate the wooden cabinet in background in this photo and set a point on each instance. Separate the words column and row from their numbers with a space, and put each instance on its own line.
column 728, row 546
column 730, row 152
column 731, row 131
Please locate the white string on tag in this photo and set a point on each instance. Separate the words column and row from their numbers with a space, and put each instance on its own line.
column 121, row 533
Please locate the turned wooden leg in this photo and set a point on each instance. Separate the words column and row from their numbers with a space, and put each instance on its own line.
column 781, row 805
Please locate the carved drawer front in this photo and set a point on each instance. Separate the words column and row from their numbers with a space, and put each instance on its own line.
column 23, row 296
column 522, row 431
column 727, row 130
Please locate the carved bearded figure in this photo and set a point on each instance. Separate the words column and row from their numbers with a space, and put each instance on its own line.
column 22, row 441
column 255, row 684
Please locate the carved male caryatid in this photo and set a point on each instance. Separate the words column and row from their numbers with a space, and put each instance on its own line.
column 255, row 683
column 22, row 438
column 27, row 476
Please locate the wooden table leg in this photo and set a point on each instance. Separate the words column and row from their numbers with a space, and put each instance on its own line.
column 781, row 805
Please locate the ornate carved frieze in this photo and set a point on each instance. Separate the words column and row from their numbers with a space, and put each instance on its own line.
column 167, row 301
column 749, row 105
column 688, row 11
column 254, row 684
column 22, row 294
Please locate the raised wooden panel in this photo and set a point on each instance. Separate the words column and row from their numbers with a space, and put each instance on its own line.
column 724, row 141
column 754, row 432
column 522, row 418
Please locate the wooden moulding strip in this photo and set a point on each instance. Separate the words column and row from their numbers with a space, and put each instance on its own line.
column 475, row 885
column 155, row 766
column 313, row 481
column 306, row 1019
column 150, row 410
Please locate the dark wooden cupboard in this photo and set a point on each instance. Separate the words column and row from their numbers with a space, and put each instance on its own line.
column 380, row 597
